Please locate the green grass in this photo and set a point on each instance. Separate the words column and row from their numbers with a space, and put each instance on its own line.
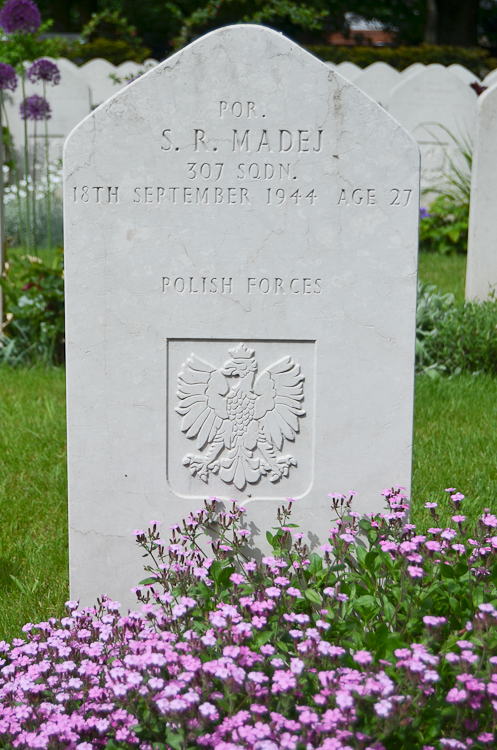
column 448, row 272
column 33, row 498
column 49, row 255
column 455, row 443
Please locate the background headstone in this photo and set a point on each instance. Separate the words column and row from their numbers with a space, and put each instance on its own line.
column 465, row 75
column 481, row 269
column 413, row 68
column 127, row 69
column 96, row 74
column 490, row 78
column 240, row 298
column 435, row 106
column 349, row 70
column 377, row 80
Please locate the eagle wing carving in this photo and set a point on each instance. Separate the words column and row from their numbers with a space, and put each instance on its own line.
column 280, row 391
column 251, row 417
column 201, row 390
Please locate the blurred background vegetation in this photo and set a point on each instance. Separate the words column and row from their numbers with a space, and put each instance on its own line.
column 124, row 29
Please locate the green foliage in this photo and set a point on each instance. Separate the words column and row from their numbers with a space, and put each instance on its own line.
column 15, row 48
column 108, row 34
column 475, row 59
column 33, row 497
column 34, row 306
column 287, row 15
column 432, row 306
column 453, row 338
column 115, row 51
column 465, row 339
column 444, row 229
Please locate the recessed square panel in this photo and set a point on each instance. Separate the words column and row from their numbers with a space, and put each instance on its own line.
column 240, row 417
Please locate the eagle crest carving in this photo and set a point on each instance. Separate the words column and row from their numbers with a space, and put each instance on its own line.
column 239, row 417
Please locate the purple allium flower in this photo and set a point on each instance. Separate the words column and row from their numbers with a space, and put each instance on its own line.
column 37, row 108
column 20, row 15
column 47, row 71
column 8, row 77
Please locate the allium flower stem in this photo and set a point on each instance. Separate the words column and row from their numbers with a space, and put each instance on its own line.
column 26, row 162
column 49, row 197
column 16, row 173
column 2, row 230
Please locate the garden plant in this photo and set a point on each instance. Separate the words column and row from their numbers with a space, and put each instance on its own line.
column 384, row 638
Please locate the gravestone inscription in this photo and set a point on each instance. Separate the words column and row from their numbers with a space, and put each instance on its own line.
column 241, row 248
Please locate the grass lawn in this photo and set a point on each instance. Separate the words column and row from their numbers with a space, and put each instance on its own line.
column 33, row 497
column 455, row 444
column 448, row 272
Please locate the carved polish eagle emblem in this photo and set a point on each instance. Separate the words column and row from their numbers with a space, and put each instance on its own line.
column 242, row 419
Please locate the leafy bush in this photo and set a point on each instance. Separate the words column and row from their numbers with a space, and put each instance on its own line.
column 432, row 306
column 115, row 51
column 388, row 641
column 465, row 339
column 109, row 35
column 444, row 227
column 34, row 303
column 476, row 59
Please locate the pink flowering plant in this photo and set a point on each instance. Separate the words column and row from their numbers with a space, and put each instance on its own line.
column 384, row 638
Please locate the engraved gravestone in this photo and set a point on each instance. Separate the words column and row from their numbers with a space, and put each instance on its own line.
column 241, row 247
column 481, row 269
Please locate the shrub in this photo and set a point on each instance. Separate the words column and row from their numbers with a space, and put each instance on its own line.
column 115, row 51
column 444, row 227
column 476, row 59
column 465, row 339
column 386, row 642
column 34, row 303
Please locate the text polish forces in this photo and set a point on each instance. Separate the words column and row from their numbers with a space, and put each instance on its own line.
column 251, row 285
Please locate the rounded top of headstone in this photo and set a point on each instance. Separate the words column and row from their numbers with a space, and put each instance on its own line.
column 97, row 63
column 465, row 75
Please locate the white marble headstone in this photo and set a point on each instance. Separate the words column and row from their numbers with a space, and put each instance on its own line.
column 413, row 68
column 377, row 80
column 349, row 70
column 481, row 268
column 436, row 107
column 464, row 75
column 241, row 251
column 96, row 74
column 490, row 78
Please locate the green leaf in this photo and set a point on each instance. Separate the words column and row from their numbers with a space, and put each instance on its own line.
column 361, row 555
column 447, row 571
column 148, row 581
column 215, row 570
column 366, row 600
column 316, row 563
column 174, row 739
column 270, row 538
column 312, row 595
